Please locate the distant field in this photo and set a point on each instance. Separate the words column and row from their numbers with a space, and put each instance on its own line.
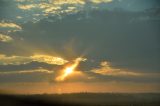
column 82, row 99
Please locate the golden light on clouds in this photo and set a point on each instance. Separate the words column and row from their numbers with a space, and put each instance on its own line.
column 40, row 70
column 26, row 7
column 10, row 25
column 106, row 69
column 49, row 59
column 101, row 1
column 56, row 6
column 17, row 60
column 5, row 38
column 62, row 2
column 69, row 70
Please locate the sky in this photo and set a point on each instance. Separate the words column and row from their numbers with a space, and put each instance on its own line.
column 65, row 46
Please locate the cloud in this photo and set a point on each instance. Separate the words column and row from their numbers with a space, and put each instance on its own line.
column 26, row 7
column 12, row 26
column 47, row 8
column 46, row 5
column 106, row 69
column 17, row 60
column 101, row 1
column 19, row 17
column 50, row 9
column 62, row 2
column 5, row 38
column 20, row 0
column 49, row 59
column 54, row 7
column 40, row 70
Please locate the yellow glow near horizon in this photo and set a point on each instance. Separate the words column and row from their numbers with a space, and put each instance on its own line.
column 69, row 69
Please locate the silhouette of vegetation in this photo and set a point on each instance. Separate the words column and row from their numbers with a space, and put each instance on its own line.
column 82, row 99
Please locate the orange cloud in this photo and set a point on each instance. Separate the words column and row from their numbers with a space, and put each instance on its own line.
column 40, row 70
column 106, row 69
column 17, row 60
column 49, row 59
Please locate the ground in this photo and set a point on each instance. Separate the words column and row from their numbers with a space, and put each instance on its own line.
column 82, row 99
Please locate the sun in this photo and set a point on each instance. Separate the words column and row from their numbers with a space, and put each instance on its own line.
column 66, row 72
column 69, row 70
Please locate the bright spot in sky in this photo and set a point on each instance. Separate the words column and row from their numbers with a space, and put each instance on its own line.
column 69, row 69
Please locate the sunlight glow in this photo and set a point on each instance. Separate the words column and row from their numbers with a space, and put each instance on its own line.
column 69, row 70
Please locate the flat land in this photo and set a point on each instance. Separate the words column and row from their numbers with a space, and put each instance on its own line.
column 82, row 99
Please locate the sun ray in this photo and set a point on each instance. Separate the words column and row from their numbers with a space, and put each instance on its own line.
column 69, row 70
